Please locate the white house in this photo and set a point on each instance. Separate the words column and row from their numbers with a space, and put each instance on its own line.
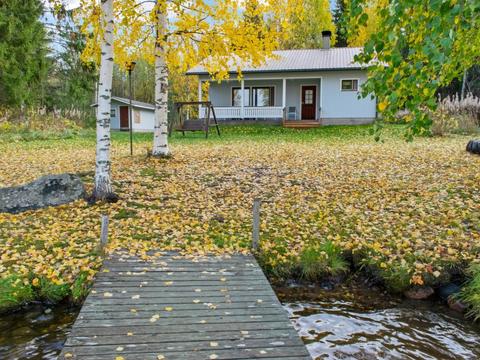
column 318, row 85
column 142, row 115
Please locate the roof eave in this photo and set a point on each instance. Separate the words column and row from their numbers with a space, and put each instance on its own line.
column 282, row 70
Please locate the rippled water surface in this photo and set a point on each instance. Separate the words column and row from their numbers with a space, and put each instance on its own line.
column 36, row 333
column 368, row 325
column 348, row 323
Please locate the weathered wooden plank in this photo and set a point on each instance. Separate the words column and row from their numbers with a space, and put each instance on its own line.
column 183, row 308
column 222, row 319
column 298, row 352
column 99, row 308
column 169, row 301
column 166, row 294
column 190, row 346
column 203, row 312
column 180, row 287
column 159, row 329
column 193, row 282
column 92, row 340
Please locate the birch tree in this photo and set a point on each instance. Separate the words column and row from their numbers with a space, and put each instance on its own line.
column 175, row 35
column 103, row 186
column 160, row 134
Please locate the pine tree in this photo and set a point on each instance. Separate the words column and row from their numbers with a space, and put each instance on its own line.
column 71, row 81
column 340, row 23
column 23, row 52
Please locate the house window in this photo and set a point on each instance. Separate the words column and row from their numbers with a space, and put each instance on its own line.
column 237, row 98
column 349, row 85
column 308, row 97
column 263, row 96
column 112, row 113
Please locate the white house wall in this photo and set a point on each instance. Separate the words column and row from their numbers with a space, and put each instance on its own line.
column 146, row 123
column 147, row 120
column 221, row 94
column 344, row 107
column 337, row 107
column 115, row 120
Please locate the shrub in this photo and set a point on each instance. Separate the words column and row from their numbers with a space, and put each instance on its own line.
column 40, row 123
column 52, row 292
column 14, row 292
column 322, row 260
column 470, row 293
column 456, row 115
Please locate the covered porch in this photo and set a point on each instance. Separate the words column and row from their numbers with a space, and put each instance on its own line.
column 287, row 100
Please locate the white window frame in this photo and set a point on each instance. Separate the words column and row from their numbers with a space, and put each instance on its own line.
column 349, row 79
column 113, row 112
column 240, row 88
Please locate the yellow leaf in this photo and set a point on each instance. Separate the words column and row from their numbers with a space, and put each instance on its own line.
column 382, row 106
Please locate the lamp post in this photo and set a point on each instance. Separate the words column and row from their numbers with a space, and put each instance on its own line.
column 130, row 66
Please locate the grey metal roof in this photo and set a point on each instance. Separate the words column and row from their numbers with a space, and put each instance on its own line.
column 135, row 103
column 300, row 60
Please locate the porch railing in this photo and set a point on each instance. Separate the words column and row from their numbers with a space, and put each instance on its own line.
column 249, row 112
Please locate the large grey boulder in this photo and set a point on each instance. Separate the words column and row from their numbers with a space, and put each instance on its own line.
column 50, row 190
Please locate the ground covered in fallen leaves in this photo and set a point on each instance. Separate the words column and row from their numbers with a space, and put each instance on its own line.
column 407, row 212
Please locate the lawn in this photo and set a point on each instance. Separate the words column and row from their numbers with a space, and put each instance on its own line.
column 408, row 213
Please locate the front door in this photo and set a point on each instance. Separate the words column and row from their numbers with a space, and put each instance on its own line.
column 309, row 102
column 124, row 124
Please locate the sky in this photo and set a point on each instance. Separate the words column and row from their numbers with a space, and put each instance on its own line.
column 74, row 3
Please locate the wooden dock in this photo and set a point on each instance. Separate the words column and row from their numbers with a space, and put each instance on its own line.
column 179, row 308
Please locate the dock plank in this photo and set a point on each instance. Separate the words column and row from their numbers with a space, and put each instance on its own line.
column 175, row 307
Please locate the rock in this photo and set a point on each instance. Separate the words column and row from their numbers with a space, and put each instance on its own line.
column 473, row 146
column 445, row 291
column 50, row 190
column 456, row 305
column 418, row 292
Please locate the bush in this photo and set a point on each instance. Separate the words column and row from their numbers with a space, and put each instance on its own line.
column 322, row 260
column 14, row 292
column 52, row 292
column 455, row 115
column 470, row 293
column 40, row 123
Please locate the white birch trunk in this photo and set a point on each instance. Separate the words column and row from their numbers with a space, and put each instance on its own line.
column 160, row 135
column 103, row 186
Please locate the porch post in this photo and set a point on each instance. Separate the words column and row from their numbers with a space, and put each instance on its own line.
column 242, row 95
column 284, row 93
column 199, row 98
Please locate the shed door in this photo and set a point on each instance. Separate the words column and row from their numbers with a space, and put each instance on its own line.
column 124, row 117
column 309, row 102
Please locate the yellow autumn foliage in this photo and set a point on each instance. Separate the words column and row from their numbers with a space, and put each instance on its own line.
column 413, row 205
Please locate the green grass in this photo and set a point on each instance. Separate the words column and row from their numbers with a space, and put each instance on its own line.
column 229, row 133
column 470, row 293
column 322, row 260
column 14, row 293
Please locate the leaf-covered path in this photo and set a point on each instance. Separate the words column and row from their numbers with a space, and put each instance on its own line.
column 177, row 307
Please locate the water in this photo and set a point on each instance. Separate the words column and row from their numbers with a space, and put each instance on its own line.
column 36, row 333
column 346, row 323
column 368, row 324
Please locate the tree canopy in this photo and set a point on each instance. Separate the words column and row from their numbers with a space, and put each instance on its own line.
column 23, row 52
column 306, row 26
column 419, row 46
column 195, row 31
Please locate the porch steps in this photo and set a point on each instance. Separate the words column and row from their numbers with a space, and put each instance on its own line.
column 301, row 124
